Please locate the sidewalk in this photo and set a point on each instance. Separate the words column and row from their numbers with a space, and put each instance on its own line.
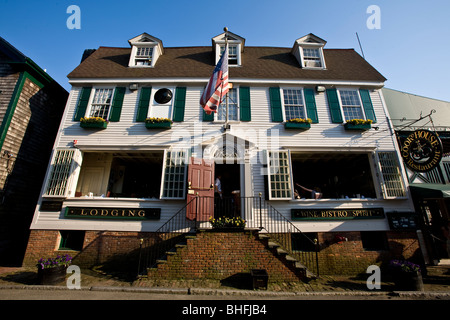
column 436, row 285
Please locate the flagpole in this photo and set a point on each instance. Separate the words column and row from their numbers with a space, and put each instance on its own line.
column 226, row 96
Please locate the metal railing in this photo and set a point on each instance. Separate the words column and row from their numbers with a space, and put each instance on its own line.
column 259, row 214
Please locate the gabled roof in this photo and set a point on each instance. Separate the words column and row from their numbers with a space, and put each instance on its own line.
column 311, row 38
column 231, row 37
column 198, row 62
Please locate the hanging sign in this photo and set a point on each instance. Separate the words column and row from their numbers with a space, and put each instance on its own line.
column 422, row 150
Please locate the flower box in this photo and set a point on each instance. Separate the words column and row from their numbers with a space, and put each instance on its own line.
column 97, row 125
column 158, row 125
column 357, row 127
column 52, row 276
column 297, row 125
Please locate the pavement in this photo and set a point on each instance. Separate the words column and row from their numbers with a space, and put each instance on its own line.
column 436, row 287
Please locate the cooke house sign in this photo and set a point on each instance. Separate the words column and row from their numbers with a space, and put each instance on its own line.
column 336, row 214
column 422, row 150
column 113, row 213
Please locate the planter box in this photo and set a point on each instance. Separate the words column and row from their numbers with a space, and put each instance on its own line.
column 408, row 281
column 52, row 276
column 297, row 126
column 96, row 125
column 158, row 125
column 357, row 127
column 260, row 278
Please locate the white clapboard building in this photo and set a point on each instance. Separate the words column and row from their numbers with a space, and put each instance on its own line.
column 155, row 154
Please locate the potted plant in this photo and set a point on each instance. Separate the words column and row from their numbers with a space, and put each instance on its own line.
column 93, row 122
column 53, row 270
column 158, row 123
column 407, row 275
column 358, row 124
column 298, row 123
column 227, row 223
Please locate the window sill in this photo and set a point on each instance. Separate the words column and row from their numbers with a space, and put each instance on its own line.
column 337, row 200
column 100, row 198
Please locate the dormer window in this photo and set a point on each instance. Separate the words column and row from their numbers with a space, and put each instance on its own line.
column 143, row 56
column 309, row 52
column 145, row 51
column 235, row 47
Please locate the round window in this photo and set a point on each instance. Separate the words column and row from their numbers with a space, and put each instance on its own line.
column 163, row 96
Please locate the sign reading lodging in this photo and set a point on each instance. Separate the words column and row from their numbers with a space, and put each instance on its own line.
column 422, row 150
column 113, row 213
column 336, row 214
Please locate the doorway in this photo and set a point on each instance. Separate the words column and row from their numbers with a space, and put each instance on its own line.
column 228, row 205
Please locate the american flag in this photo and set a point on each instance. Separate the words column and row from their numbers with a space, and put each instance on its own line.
column 217, row 86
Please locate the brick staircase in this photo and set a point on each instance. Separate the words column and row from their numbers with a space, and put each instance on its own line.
column 210, row 254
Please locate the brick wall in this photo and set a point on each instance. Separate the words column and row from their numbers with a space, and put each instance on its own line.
column 350, row 258
column 219, row 255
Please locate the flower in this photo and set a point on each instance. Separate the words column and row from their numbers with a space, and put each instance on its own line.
column 64, row 260
column 359, row 121
column 404, row 266
column 92, row 120
column 157, row 120
column 226, row 222
column 299, row 120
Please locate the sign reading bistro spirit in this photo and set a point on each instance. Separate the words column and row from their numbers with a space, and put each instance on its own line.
column 114, row 213
column 422, row 150
column 336, row 214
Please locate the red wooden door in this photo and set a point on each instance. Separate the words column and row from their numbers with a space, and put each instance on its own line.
column 200, row 186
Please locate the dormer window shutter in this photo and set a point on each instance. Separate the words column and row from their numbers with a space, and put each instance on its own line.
column 82, row 103
column 367, row 104
column 208, row 117
column 333, row 104
column 311, row 109
column 116, row 107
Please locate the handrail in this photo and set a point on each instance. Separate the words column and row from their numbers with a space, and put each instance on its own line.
column 265, row 218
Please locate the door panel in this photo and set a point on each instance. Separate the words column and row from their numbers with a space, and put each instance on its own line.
column 200, row 184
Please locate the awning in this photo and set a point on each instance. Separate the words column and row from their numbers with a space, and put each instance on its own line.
column 430, row 190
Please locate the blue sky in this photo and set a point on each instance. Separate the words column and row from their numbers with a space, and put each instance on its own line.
column 411, row 48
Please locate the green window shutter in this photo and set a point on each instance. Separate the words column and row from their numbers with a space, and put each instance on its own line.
column 275, row 104
column 180, row 102
column 207, row 117
column 82, row 103
column 311, row 109
column 244, row 104
column 116, row 107
column 368, row 106
column 335, row 109
column 144, row 101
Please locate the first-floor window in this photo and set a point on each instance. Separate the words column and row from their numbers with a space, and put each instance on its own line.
column 279, row 175
column 232, row 107
column 351, row 104
column 390, row 170
column 62, row 166
column 293, row 104
column 101, row 103
column 174, row 174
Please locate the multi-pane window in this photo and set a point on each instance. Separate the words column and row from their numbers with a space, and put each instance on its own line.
column 143, row 56
column 311, row 57
column 232, row 107
column 390, row 171
column 293, row 104
column 61, row 169
column 351, row 104
column 174, row 178
column 101, row 103
column 232, row 54
column 279, row 175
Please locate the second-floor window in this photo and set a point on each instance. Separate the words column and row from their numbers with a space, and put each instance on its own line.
column 293, row 104
column 233, row 109
column 311, row 56
column 351, row 104
column 143, row 56
column 232, row 54
column 101, row 103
